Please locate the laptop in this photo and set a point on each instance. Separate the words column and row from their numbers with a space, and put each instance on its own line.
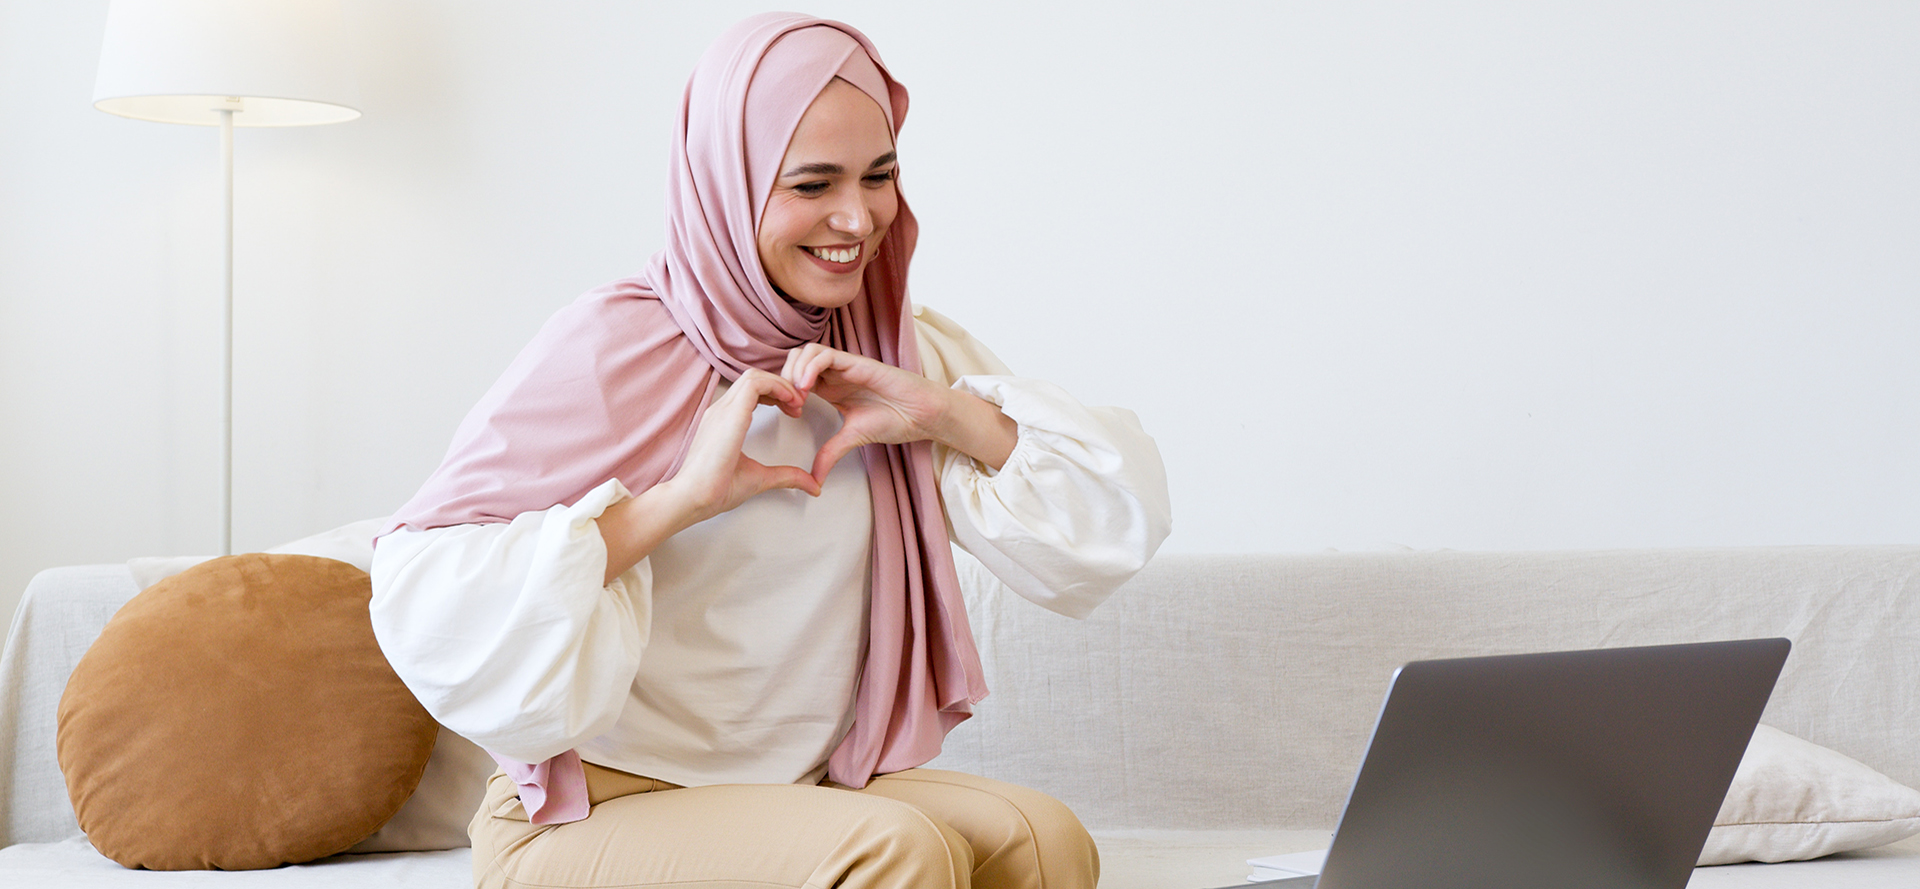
column 1578, row 769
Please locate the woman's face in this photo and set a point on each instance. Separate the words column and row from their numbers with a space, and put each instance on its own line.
column 832, row 201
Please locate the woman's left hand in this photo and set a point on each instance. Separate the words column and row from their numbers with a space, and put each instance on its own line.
column 882, row 404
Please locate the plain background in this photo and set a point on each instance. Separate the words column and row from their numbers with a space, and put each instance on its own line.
column 1476, row 275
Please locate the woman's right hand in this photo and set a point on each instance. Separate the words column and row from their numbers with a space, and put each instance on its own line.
column 716, row 475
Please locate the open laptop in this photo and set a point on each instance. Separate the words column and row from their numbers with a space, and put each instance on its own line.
column 1576, row 770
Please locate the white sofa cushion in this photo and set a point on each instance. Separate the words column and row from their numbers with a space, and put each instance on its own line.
column 1793, row 800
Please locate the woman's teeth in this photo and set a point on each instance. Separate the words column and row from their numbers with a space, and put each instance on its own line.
column 833, row 254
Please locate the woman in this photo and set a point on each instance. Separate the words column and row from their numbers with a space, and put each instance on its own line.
column 694, row 659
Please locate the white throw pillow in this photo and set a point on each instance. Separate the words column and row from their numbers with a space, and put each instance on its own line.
column 436, row 816
column 1792, row 800
column 352, row 544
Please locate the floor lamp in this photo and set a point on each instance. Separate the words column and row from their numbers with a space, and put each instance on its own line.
column 226, row 64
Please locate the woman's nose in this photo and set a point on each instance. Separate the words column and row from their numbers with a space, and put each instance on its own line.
column 852, row 217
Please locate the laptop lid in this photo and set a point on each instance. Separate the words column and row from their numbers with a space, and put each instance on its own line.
column 1600, row 769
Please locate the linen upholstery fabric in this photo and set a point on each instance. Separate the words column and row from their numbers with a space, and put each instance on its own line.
column 239, row 715
column 612, row 385
column 1257, row 678
column 1793, row 800
column 1852, row 608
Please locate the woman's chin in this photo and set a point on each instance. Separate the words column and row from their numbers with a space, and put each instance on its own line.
column 823, row 297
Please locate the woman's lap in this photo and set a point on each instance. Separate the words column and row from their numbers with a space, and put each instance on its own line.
column 917, row 828
column 1015, row 831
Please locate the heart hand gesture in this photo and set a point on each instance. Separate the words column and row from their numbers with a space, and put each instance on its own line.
column 882, row 404
column 878, row 404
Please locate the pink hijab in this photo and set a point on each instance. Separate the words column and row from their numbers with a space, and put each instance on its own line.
column 613, row 385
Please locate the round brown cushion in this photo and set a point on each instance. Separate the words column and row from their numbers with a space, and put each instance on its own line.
column 239, row 715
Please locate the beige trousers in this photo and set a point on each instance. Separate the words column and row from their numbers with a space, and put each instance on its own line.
column 918, row 828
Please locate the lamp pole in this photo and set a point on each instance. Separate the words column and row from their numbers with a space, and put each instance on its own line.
column 201, row 62
column 226, row 404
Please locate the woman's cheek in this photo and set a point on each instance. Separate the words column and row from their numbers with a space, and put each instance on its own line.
column 885, row 211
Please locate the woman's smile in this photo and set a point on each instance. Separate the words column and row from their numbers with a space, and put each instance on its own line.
column 836, row 259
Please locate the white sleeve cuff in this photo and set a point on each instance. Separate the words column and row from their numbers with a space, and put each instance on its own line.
column 1079, row 507
column 506, row 633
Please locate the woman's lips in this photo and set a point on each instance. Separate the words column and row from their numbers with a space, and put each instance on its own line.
column 838, row 258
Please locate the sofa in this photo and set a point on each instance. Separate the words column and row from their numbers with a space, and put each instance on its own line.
column 1213, row 711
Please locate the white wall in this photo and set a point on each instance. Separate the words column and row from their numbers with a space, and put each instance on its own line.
column 1472, row 275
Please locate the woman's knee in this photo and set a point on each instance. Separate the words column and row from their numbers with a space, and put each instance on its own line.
column 1020, row 837
column 1046, row 820
column 1067, row 856
column 897, row 844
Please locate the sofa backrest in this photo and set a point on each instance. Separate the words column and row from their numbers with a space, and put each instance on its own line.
column 1238, row 691
column 57, row 619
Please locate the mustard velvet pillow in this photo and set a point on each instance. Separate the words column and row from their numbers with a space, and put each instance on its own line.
column 239, row 715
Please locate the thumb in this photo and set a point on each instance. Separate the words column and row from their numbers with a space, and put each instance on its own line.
column 780, row 476
column 830, row 453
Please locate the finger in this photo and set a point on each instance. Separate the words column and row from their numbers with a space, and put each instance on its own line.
column 723, row 427
column 817, row 360
column 765, row 388
column 773, row 387
column 794, row 357
column 766, row 478
column 797, row 358
column 830, row 453
column 728, row 417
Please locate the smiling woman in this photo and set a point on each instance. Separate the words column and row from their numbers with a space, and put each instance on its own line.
column 703, row 642
column 831, row 206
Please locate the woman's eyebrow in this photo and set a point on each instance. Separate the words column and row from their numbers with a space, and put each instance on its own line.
column 828, row 169
column 815, row 169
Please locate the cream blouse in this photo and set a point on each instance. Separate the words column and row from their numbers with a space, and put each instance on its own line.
column 731, row 654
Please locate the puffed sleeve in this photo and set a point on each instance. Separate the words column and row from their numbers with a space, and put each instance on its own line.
column 1079, row 506
column 506, row 633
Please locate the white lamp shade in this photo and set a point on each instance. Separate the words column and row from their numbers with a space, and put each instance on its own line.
column 278, row 64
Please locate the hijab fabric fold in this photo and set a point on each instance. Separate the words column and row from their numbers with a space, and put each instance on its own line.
column 614, row 384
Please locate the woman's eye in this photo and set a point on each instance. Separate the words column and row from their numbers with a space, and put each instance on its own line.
column 881, row 178
column 811, row 189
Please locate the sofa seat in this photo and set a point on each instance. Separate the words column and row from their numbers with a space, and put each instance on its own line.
column 1130, row 859
column 1216, row 709
column 1205, row 859
column 73, row 864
